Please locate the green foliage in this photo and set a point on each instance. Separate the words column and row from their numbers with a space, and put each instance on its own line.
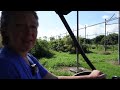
column 98, row 57
column 106, row 53
column 98, row 39
column 66, row 44
column 60, row 61
column 85, row 48
column 41, row 49
column 93, row 47
column 112, row 39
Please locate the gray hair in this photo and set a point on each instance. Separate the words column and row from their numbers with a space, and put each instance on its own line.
column 5, row 16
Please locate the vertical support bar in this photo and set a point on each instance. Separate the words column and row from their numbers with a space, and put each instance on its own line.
column 78, row 41
column 119, row 39
column 75, row 40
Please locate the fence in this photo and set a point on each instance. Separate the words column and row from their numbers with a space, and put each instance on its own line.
column 102, row 28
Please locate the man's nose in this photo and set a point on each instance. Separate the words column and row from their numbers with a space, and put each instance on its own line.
column 29, row 30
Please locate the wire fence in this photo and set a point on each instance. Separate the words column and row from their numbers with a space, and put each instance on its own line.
column 91, row 31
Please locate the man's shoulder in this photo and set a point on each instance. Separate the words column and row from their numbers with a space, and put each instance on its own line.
column 6, row 58
column 31, row 56
column 3, row 57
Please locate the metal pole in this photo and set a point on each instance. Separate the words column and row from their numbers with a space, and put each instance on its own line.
column 105, row 37
column 75, row 41
column 119, row 40
column 85, row 35
column 78, row 41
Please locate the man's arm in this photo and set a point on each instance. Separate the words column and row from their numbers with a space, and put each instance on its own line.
column 95, row 74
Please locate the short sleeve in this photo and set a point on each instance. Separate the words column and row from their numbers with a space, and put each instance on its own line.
column 7, row 70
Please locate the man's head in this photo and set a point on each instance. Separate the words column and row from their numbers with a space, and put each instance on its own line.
column 19, row 29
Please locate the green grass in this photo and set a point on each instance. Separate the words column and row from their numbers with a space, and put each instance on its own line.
column 107, row 63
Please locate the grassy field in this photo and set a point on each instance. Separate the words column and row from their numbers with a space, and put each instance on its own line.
column 61, row 63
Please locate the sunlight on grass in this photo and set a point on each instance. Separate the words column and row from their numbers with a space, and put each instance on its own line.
column 106, row 63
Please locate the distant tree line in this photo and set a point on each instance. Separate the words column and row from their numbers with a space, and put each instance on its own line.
column 44, row 48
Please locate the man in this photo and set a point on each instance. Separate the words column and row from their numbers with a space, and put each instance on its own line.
column 19, row 32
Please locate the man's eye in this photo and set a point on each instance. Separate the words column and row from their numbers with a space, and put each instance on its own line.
column 34, row 27
column 20, row 26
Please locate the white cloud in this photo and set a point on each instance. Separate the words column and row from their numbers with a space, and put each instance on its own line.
column 113, row 12
column 105, row 17
column 51, row 32
column 91, row 32
column 112, row 28
column 109, row 11
column 117, row 13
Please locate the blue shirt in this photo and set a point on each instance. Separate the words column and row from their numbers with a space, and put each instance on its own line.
column 13, row 66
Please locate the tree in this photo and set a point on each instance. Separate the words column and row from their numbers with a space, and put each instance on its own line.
column 98, row 39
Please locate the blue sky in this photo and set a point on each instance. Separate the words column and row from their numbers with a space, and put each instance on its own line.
column 51, row 25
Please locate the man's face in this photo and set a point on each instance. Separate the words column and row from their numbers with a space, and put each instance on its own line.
column 22, row 31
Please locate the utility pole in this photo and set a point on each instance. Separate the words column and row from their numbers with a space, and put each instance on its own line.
column 105, row 42
column 85, row 35
column 105, row 36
